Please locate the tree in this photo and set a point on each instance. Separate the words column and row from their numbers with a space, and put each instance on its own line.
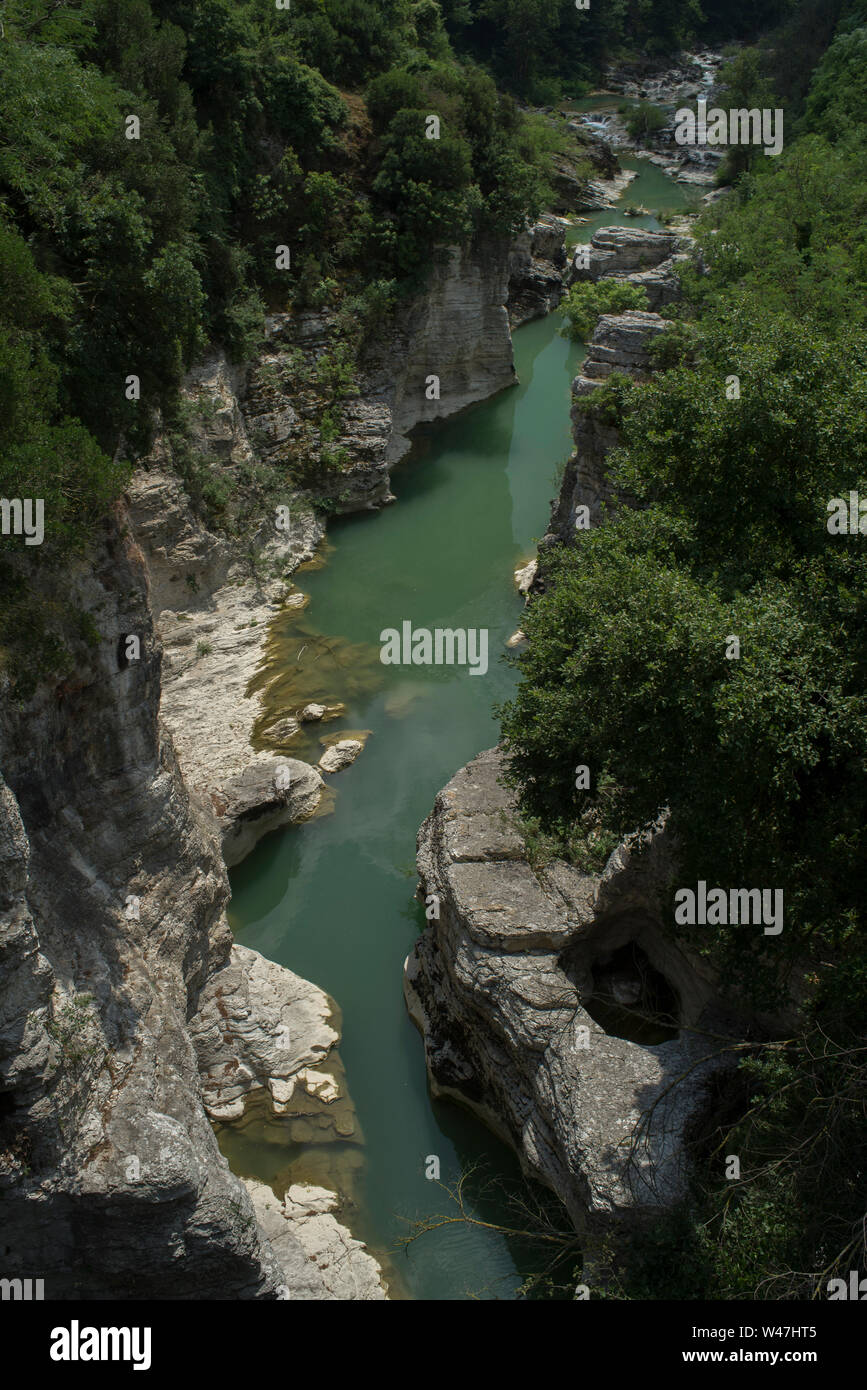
column 838, row 95
column 645, row 119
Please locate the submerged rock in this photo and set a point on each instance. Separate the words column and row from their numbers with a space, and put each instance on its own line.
column 339, row 755
column 524, row 577
column 283, row 730
column 311, row 713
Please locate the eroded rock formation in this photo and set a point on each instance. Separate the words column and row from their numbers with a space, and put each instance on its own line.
column 619, row 343
column 505, row 988
column 457, row 331
column 113, row 924
column 640, row 257
column 128, row 1017
column 536, row 265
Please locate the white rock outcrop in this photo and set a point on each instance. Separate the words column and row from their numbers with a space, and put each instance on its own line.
column 321, row 1259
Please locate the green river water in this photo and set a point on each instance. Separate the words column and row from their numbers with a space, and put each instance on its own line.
column 333, row 899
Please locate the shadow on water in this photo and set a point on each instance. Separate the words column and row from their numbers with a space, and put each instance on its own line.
column 333, row 899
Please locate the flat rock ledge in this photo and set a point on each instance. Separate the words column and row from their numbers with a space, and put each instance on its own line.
column 650, row 260
column 497, row 987
column 320, row 1259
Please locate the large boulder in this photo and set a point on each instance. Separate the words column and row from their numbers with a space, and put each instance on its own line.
column 267, row 793
column 258, row 1025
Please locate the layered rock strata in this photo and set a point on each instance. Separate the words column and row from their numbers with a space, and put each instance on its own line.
column 647, row 259
column 457, row 332
column 502, row 987
column 112, row 936
column 619, row 343
column 536, row 264
column 214, row 595
column 127, row 1015
column 320, row 1258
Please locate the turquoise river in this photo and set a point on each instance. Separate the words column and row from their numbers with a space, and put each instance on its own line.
column 333, row 899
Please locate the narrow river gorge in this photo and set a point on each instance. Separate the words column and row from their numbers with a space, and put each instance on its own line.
column 333, row 899
column 432, row 618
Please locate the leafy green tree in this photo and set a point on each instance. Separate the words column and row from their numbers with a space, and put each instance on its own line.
column 350, row 41
column 645, row 119
column 745, row 85
column 585, row 302
column 424, row 188
column 838, row 95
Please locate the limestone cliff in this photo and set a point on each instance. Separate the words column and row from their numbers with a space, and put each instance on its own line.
column 533, row 985
column 536, row 267
column 619, row 343
column 647, row 259
column 128, row 1017
column 113, row 935
column 216, row 584
column 456, row 331
column 507, row 987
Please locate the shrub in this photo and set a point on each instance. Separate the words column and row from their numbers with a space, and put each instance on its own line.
column 585, row 302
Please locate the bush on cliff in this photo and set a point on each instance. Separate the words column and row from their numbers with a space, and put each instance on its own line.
column 585, row 302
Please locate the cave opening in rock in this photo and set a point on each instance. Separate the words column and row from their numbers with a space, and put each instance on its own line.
column 631, row 999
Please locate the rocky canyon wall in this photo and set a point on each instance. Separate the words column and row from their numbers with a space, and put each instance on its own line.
column 529, row 986
column 504, row 987
column 619, row 343
column 128, row 1017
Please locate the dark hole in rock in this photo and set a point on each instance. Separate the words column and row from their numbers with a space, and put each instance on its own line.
column 7, row 1103
column 631, row 999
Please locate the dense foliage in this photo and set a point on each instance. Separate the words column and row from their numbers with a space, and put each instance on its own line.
column 542, row 48
column 585, row 301
column 258, row 127
column 728, row 461
column 155, row 155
